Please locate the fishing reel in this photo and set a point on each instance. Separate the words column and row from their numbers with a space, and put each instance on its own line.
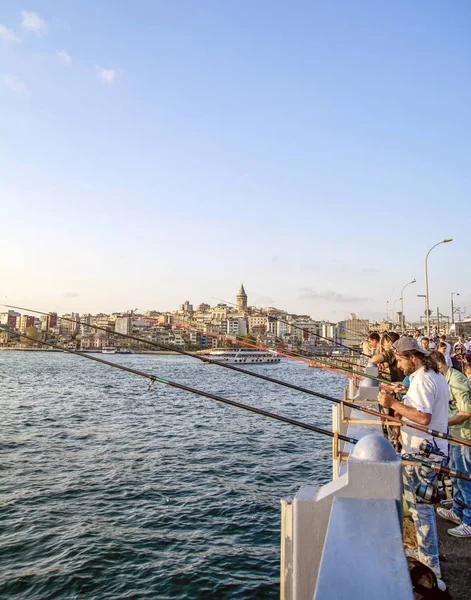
column 430, row 493
column 428, row 447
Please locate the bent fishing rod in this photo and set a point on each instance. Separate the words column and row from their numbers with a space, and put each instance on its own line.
column 308, row 359
column 174, row 384
column 279, row 349
column 272, row 317
column 298, row 388
column 386, row 384
column 153, row 378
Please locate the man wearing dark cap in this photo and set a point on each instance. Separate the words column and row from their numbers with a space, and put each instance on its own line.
column 425, row 403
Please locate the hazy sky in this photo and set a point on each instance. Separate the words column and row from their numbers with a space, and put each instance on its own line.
column 152, row 152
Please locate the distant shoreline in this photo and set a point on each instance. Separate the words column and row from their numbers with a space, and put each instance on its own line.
column 90, row 352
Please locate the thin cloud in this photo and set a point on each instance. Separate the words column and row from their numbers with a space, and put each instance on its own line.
column 106, row 75
column 14, row 83
column 262, row 299
column 328, row 295
column 310, row 268
column 70, row 294
column 7, row 34
column 34, row 23
column 64, row 57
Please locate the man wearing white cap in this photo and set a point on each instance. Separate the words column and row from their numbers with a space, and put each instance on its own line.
column 425, row 403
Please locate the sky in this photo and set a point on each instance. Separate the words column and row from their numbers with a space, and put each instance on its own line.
column 158, row 151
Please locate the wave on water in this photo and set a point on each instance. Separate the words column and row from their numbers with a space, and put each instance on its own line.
column 110, row 489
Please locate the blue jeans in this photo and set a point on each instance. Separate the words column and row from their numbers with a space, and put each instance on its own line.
column 460, row 459
column 423, row 514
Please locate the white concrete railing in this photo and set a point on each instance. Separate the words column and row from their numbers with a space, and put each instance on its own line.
column 344, row 539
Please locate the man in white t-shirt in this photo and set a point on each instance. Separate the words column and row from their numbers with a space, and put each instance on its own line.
column 425, row 403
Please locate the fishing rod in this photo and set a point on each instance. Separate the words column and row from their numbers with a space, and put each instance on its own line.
column 295, row 355
column 174, row 384
column 306, row 391
column 261, row 314
column 218, row 398
column 272, row 317
column 386, row 384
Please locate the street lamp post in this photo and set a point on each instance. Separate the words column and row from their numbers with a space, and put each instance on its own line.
column 402, row 303
column 427, row 309
column 452, row 307
column 422, row 296
column 394, row 309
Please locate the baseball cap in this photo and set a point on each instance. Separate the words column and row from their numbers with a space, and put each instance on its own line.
column 406, row 344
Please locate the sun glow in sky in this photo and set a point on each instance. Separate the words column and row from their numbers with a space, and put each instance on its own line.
column 152, row 152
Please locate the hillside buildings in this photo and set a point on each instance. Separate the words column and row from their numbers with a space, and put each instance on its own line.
column 194, row 328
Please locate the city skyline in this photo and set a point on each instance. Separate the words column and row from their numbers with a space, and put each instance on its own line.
column 312, row 152
column 242, row 306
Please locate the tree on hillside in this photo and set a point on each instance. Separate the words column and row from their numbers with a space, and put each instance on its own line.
column 31, row 332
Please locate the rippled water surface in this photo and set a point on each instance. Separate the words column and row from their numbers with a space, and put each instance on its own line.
column 110, row 489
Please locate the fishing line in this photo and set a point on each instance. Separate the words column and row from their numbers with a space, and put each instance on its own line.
column 261, row 314
column 305, row 391
column 253, row 409
column 174, row 384
column 386, row 384
column 309, row 359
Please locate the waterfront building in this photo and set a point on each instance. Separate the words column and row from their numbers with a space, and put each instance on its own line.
column 94, row 341
column 86, row 320
column 236, row 326
column 123, row 325
column 303, row 328
column 23, row 322
column 257, row 324
column 103, row 320
column 69, row 324
column 9, row 318
column 195, row 337
column 141, row 325
column 282, row 328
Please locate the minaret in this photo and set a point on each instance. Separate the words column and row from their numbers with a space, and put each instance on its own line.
column 242, row 299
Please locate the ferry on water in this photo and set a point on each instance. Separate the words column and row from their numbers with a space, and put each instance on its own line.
column 109, row 350
column 244, row 356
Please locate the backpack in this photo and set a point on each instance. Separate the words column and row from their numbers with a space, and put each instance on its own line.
column 424, row 581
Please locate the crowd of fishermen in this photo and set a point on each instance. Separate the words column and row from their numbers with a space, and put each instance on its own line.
column 432, row 388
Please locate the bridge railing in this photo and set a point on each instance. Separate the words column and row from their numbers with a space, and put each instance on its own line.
column 344, row 539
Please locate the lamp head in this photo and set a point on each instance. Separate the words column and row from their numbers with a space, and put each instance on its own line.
column 447, row 240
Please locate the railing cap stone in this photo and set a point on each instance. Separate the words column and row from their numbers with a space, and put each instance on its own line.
column 375, row 448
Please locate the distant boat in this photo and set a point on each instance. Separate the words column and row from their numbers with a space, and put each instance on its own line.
column 108, row 350
column 124, row 351
column 248, row 357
